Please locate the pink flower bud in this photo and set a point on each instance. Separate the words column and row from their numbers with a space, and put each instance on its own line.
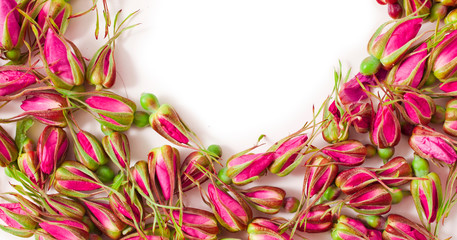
column 398, row 227
column 352, row 229
column 66, row 207
column 103, row 217
column 191, row 167
column 410, row 71
column 64, row 68
column 390, row 43
column 140, row 174
column 432, row 145
column 233, row 214
column 262, row 228
column 127, row 206
column 57, row 10
column 371, row 200
column 73, row 179
column 419, row 108
column 319, row 175
column 89, row 151
column 443, row 57
column 15, row 215
column 8, row 149
column 287, row 156
column 361, row 117
column 354, row 179
column 197, row 223
column 397, row 167
column 117, row 147
column 9, row 25
column 163, row 165
column 13, row 81
column 336, row 128
column 450, row 119
column 318, row 219
column 449, row 86
column 418, row 7
column 28, row 164
column 51, row 148
column 266, row 199
column 114, row 111
column 66, row 229
column 248, row 167
column 386, row 130
column 166, row 122
column 101, row 70
column 46, row 107
column 349, row 153
column 352, row 92
column 427, row 196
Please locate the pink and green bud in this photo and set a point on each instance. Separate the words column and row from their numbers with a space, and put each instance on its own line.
column 450, row 120
column 351, row 91
column 9, row 25
column 114, row 111
column 89, row 151
column 64, row 64
column 354, row 179
column 166, row 122
column 163, row 165
column 451, row 19
column 247, row 168
column 410, row 71
column 101, row 70
column 330, row 194
column 450, row 3
column 57, row 10
column 371, row 200
column 401, row 228
column 66, row 207
column 287, row 154
column 418, row 108
column 192, row 172
column 318, row 219
column 149, row 102
column 16, row 216
column 443, row 57
column 66, row 229
column 263, row 228
column 433, row 145
column 8, row 149
column 29, row 165
column 319, row 175
column 390, row 43
column 127, row 206
column 233, row 214
column 386, row 130
column 397, row 168
column 349, row 229
column 13, row 81
column 427, row 196
column 266, row 199
column 103, row 217
column 361, row 117
column 349, row 152
column 291, row 204
column 449, row 86
column 51, row 148
column 196, row 224
column 46, row 107
column 140, row 174
column 117, row 147
column 73, row 179
column 335, row 128
column 417, row 7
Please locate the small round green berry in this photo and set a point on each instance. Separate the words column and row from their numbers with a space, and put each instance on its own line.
column 420, row 166
column 222, row 174
column 290, row 204
column 369, row 66
column 141, row 119
column 216, row 150
column 105, row 174
column 386, row 153
column 149, row 102
column 397, row 195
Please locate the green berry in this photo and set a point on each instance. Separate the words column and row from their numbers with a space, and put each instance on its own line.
column 141, row 119
column 290, row 204
column 149, row 102
column 370, row 65
column 105, row 174
column 430, row 80
column 386, row 153
column 13, row 54
column 420, row 166
column 222, row 174
column 397, row 195
column 216, row 150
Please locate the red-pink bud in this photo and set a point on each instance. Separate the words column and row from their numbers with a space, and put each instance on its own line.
column 191, row 167
column 127, row 206
column 89, row 150
column 318, row 219
column 361, row 116
column 419, row 108
column 140, row 174
column 433, row 145
column 397, row 167
column 248, row 167
column 13, row 81
column 371, row 200
column 443, row 57
column 10, row 25
column 349, row 153
column 163, row 164
column 287, row 156
column 103, row 217
column 386, row 130
column 352, row 92
column 66, row 229
column 354, row 179
column 266, row 199
column 450, row 120
column 75, row 180
column 417, row 7
column 427, row 196
column 197, row 223
column 399, row 228
column 117, row 147
column 28, row 164
column 17, row 216
column 57, row 10
column 319, row 175
column 46, row 107
column 51, row 148
column 8, row 149
column 166, row 122
column 262, row 228
column 101, row 70
column 66, row 206
column 410, row 71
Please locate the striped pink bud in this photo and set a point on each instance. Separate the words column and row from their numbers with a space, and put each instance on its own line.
column 101, row 70
column 397, row 167
column 351, row 229
column 163, row 164
column 73, row 179
column 140, row 174
column 401, row 228
column 319, row 175
column 263, row 228
column 8, row 149
column 57, row 10
column 192, row 167
column 418, row 108
column 196, row 224
column 103, row 217
column 127, row 206
column 51, row 148
column 443, row 57
column 361, row 116
column 66, row 229
column 371, row 200
column 246, row 168
column 66, row 207
column 386, row 130
column 13, row 81
column 318, row 219
column 10, row 25
column 427, row 196
column 287, row 154
column 28, row 164
column 117, row 147
column 410, row 71
column 89, row 150
column 450, row 119
column 266, row 199
column 349, row 152
column 354, row 179
column 166, row 122
column 432, row 145
column 46, row 107
column 17, row 219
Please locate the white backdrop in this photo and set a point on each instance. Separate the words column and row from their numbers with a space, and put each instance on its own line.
column 237, row 69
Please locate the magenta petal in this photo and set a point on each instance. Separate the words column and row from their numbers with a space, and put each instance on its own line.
column 13, row 81
column 402, row 34
column 108, row 104
column 172, row 131
column 9, row 14
column 408, row 65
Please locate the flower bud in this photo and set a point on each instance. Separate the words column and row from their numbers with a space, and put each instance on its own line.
column 233, row 214
column 28, row 164
column 64, row 68
column 318, row 219
column 386, row 130
column 262, row 228
column 103, row 217
column 13, row 81
column 291, row 204
column 374, row 221
column 46, row 107
column 361, row 117
column 149, row 102
column 419, row 108
column 451, row 18
column 73, row 179
column 287, row 155
column 410, row 71
column 163, row 164
column 117, row 147
column 330, row 194
column 335, row 128
column 9, row 20
column 141, row 119
column 450, row 122
column 437, row 12
column 351, row 91
column 398, row 227
column 101, row 70
column 319, row 175
column 8, row 149
column 57, row 10
column 247, row 168
column 66, row 229
column 443, row 58
column 371, row 200
column 354, row 179
column 89, row 151
column 197, row 223
column 397, row 167
column 126, row 205
column 349, row 153
column 427, row 196
column 140, row 174
column 51, row 148
column 417, row 7
column 166, row 122
column 432, row 145
column 191, row 167
column 113, row 111
column 348, row 228
column 17, row 219
column 66, row 207
column 266, row 199
column 387, row 46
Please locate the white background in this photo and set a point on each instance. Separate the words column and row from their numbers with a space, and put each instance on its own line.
column 237, row 69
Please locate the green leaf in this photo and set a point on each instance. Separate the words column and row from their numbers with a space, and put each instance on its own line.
column 21, row 132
